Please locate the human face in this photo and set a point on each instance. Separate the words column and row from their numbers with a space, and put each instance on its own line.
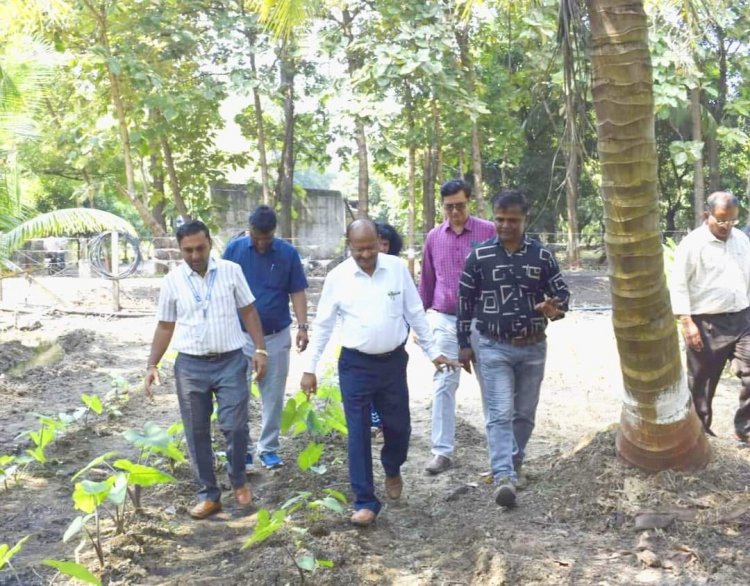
column 456, row 208
column 384, row 245
column 196, row 250
column 261, row 240
column 722, row 219
column 510, row 224
column 364, row 247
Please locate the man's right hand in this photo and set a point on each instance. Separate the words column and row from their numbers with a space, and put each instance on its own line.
column 152, row 378
column 692, row 335
column 309, row 384
column 466, row 357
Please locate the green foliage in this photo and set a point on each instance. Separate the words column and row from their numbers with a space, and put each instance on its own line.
column 267, row 524
column 7, row 552
column 74, row 570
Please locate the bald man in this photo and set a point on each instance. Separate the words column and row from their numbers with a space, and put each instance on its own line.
column 710, row 290
column 377, row 301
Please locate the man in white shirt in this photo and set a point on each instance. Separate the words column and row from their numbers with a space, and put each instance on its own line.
column 198, row 307
column 710, row 290
column 377, row 301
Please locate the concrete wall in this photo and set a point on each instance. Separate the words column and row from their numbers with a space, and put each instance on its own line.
column 317, row 229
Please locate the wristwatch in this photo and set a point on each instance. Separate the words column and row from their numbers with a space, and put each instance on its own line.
column 303, row 327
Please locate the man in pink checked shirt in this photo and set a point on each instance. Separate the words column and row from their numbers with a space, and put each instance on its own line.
column 445, row 251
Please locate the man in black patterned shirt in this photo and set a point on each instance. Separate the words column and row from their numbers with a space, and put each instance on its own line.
column 512, row 286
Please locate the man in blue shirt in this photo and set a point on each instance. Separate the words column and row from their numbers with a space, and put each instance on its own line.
column 274, row 272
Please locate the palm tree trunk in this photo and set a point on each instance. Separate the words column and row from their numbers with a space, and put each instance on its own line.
column 285, row 185
column 573, row 170
column 698, row 179
column 659, row 428
column 261, row 135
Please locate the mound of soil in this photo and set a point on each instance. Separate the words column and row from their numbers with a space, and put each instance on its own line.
column 12, row 353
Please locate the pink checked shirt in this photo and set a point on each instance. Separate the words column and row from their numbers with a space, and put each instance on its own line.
column 443, row 261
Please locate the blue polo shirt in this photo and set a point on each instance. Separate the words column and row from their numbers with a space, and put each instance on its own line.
column 272, row 277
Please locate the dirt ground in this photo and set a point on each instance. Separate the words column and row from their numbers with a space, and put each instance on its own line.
column 578, row 522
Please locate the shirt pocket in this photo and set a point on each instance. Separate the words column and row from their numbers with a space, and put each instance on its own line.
column 223, row 302
column 278, row 276
column 394, row 303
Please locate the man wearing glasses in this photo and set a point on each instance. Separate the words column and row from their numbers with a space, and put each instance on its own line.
column 710, row 290
column 445, row 251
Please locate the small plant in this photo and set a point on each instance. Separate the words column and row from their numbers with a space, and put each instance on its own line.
column 45, row 435
column 93, row 403
column 272, row 523
column 74, row 570
column 154, row 442
column 7, row 553
column 8, row 468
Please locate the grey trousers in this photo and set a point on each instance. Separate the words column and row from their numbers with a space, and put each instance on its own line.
column 198, row 380
column 725, row 336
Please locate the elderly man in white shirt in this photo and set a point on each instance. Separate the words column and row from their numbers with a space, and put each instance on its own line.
column 710, row 290
column 377, row 301
column 198, row 307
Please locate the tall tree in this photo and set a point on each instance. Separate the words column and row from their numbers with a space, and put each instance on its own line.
column 659, row 428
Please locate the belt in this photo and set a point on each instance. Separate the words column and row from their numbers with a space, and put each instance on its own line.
column 520, row 342
column 272, row 332
column 377, row 356
column 213, row 356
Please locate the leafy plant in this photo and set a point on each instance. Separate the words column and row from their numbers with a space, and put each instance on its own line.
column 74, row 570
column 93, row 403
column 8, row 468
column 7, row 553
column 41, row 438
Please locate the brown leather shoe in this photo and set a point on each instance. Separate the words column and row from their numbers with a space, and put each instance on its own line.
column 363, row 518
column 243, row 495
column 438, row 464
column 393, row 486
column 205, row 509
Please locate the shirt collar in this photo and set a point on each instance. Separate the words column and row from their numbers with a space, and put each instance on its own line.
column 250, row 243
column 188, row 272
column 524, row 245
column 379, row 266
column 468, row 226
column 709, row 237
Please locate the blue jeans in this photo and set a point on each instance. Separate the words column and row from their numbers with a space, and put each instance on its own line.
column 367, row 380
column 512, row 377
column 197, row 381
column 272, row 386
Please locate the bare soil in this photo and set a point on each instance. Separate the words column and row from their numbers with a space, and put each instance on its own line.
column 578, row 522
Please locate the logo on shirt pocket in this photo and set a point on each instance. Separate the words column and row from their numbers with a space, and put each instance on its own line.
column 395, row 305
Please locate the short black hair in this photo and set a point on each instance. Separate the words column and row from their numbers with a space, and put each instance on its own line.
column 263, row 219
column 388, row 232
column 453, row 186
column 509, row 198
column 191, row 227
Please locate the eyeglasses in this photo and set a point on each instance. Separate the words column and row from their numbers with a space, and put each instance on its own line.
column 459, row 207
column 724, row 223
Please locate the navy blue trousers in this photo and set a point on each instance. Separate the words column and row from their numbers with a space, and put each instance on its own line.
column 380, row 381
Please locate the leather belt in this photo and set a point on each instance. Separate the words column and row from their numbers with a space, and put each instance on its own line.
column 214, row 356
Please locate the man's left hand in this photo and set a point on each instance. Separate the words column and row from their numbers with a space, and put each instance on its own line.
column 302, row 340
column 550, row 307
column 441, row 362
column 260, row 365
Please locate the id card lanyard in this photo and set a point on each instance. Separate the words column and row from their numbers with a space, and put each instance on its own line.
column 204, row 303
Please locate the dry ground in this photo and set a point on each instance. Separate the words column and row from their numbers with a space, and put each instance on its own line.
column 575, row 523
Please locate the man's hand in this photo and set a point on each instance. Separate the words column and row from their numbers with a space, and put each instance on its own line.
column 152, row 378
column 260, row 365
column 309, row 384
column 692, row 334
column 550, row 307
column 466, row 357
column 441, row 363
column 302, row 340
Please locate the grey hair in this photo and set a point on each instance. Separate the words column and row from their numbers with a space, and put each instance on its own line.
column 721, row 199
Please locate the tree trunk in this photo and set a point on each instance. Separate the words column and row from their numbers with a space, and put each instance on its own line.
column 261, row 135
column 285, row 186
column 428, row 190
column 174, row 184
column 699, row 190
column 412, row 207
column 122, row 124
column 659, row 428
column 157, row 185
column 712, row 156
column 573, row 170
column 354, row 64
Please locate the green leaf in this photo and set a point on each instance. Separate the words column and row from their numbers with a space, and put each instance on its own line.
column 319, row 469
column 114, row 65
column 306, row 562
column 310, row 455
column 325, row 563
column 339, row 496
column 74, row 570
column 38, row 455
column 7, row 553
column 176, row 429
column 93, row 402
column 152, row 436
column 76, row 527
column 95, row 462
column 5, row 460
column 119, row 490
column 296, row 501
column 329, row 503
column 140, row 475
column 88, row 495
column 288, row 415
column 266, row 526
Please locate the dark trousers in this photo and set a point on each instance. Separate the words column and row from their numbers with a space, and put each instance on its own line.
column 380, row 381
column 197, row 381
column 725, row 336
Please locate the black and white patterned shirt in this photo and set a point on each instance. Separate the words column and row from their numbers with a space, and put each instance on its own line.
column 501, row 290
